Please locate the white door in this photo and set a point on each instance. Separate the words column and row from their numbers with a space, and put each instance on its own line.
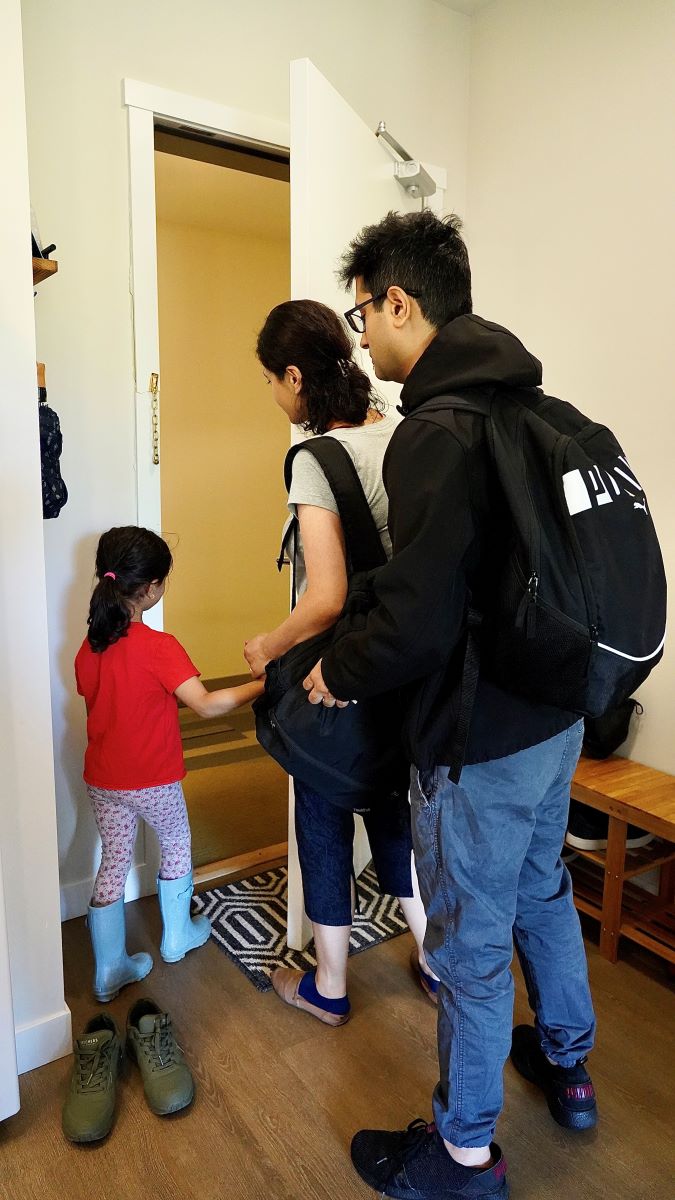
column 342, row 178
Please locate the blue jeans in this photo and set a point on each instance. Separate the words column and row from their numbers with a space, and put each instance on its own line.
column 488, row 860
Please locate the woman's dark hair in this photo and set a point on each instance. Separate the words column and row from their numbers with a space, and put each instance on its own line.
column 311, row 337
column 421, row 253
column 127, row 560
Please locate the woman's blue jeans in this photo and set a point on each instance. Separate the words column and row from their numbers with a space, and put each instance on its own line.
column 325, row 834
column 488, row 859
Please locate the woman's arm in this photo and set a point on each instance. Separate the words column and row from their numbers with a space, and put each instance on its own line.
column 321, row 603
column 216, row 704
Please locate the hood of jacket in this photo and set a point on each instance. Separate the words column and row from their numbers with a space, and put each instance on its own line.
column 466, row 353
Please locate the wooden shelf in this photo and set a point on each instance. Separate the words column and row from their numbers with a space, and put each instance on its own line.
column 43, row 268
column 645, row 918
column 639, row 860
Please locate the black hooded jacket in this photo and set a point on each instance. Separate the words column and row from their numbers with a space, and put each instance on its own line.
column 449, row 530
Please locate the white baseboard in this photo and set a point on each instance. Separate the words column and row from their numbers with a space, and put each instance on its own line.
column 75, row 897
column 43, row 1041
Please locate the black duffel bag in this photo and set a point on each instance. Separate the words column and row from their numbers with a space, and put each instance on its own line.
column 352, row 756
column 603, row 735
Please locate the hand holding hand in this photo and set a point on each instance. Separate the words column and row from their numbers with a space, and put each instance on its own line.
column 256, row 655
column 318, row 692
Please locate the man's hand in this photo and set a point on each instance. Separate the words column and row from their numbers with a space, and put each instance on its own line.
column 256, row 655
column 318, row 692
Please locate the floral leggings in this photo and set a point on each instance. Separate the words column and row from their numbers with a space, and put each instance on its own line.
column 117, row 814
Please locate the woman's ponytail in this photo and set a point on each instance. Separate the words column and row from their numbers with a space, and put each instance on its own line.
column 127, row 560
column 310, row 336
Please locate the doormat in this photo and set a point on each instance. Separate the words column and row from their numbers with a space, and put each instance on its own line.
column 248, row 922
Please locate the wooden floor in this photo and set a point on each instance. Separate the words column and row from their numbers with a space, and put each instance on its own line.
column 279, row 1095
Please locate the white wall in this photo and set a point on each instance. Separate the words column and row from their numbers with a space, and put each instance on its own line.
column 9, row 1082
column 29, row 876
column 405, row 62
column 571, row 201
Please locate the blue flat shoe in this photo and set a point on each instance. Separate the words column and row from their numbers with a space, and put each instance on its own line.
column 428, row 984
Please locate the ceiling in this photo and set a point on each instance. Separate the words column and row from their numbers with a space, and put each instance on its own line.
column 205, row 196
column 465, row 6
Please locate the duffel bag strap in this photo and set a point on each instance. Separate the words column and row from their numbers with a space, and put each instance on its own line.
column 288, row 554
column 467, row 696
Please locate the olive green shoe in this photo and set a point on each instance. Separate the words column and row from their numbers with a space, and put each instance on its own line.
column 89, row 1109
column 167, row 1082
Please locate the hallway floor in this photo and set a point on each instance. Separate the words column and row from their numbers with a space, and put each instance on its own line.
column 279, row 1095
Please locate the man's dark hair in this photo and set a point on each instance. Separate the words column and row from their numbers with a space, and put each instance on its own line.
column 419, row 252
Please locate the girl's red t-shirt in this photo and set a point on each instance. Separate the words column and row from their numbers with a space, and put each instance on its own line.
column 132, row 714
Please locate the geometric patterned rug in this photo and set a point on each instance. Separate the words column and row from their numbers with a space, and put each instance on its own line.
column 248, row 922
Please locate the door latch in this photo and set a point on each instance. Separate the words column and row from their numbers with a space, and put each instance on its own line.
column 154, row 409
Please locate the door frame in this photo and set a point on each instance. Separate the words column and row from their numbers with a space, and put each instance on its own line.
column 146, row 102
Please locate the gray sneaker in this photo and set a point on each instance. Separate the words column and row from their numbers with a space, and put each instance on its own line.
column 167, row 1082
column 90, row 1104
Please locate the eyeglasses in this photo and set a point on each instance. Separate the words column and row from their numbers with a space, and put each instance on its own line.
column 355, row 317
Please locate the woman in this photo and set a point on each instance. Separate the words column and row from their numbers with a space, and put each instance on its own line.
column 307, row 360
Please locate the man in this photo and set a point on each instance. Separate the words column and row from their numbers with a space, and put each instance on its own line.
column 487, row 848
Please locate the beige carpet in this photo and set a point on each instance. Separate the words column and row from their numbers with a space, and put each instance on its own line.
column 237, row 797
column 236, row 808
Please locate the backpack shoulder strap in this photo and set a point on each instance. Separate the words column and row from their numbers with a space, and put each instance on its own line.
column 479, row 402
column 364, row 546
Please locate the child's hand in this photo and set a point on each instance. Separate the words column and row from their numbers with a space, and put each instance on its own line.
column 256, row 655
column 217, row 704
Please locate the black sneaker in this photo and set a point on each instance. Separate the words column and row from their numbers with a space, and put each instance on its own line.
column 413, row 1164
column 569, row 1091
column 587, row 830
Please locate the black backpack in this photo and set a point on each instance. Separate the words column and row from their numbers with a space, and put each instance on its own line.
column 579, row 613
column 352, row 756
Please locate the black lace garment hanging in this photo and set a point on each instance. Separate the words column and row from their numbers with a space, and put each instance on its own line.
column 54, row 490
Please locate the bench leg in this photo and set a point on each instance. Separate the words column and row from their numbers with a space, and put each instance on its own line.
column 667, row 883
column 613, row 889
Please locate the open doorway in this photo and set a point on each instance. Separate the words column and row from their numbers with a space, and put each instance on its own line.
column 223, row 260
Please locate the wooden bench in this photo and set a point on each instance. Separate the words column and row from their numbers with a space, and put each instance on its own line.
column 629, row 793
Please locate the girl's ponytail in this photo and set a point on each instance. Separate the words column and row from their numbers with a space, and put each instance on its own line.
column 109, row 617
column 127, row 560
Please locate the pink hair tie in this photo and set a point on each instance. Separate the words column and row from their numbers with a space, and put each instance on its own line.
column 110, row 575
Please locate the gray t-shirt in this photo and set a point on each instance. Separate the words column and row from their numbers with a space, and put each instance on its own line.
column 366, row 445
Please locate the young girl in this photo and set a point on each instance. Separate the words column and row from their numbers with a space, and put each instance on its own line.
column 131, row 677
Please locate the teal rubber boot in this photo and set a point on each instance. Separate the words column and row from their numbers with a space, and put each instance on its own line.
column 167, row 1080
column 181, row 931
column 89, row 1109
column 113, row 967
